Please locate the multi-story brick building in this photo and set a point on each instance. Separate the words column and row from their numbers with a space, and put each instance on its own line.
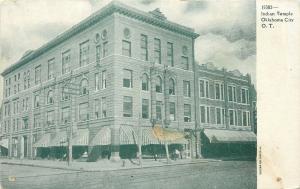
column 115, row 71
column 225, row 111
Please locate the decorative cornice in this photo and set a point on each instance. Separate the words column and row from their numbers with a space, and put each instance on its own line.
column 113, row 7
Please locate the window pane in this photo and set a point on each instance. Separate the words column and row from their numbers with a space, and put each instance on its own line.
column 126, row 48
column 84, row 53
column 187, row 113
column 144, row 47
column 157, row 51
column 127, row 106
column 145, row 82
column 145, row 108
column 66, row 62
column 158, row 110
column 158, row 85
column 186, row 89
column 172, row 111
column 127, row 78
column 202, row 92
column 170, row 57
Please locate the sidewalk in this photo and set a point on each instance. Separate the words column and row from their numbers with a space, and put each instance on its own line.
column 100, row 165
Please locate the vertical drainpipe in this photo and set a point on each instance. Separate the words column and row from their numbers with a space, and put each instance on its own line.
column 196, row 104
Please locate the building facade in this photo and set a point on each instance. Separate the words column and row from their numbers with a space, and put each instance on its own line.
column 226, row 115
column 103, row 83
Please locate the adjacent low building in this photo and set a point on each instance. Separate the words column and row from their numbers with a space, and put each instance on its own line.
column 225, row 112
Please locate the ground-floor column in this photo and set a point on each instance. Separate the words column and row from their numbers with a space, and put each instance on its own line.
column 115, row 143
column 198, row 145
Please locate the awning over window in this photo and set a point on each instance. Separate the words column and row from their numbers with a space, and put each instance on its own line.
column 103, row 137
column 81, row 137
column 44, row 141
column 128, row 135
column 60, row 139
column 148, row 137
column 227, row 136
column 4, row 143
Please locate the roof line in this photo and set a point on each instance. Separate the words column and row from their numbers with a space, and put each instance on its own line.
column 107, row 10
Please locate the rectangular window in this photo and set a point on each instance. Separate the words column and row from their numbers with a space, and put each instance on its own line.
column 144, row 47
column 145, row 108
column 157, row 51
column 37, row 121
column 83, row 111
column 37, row 75
column 36, row 101
column 127, row 78
column 84, row 53
column 104, row 107
column 126, row 48
column 98, row 53
column 201, row 88
column 50, row 118
column 186, row 89
column 246, row 118
column 97, row 108
column 97, row 83
column 104, row 79
column 66, row 58
column 218, row 116
column 127, row 106
column 207, row 115
column 230, row 94
column 65, row 115
column 172, row 111
column 28, row 78
column 51, row 68
column 245, row 96
column 185, row 62
column 187, row 113
column 217, row 91
column 170, row 55
column 231, row 117
column 105, row 49
column 158, row 110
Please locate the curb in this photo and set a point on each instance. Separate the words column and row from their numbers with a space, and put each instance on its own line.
column 126, row 168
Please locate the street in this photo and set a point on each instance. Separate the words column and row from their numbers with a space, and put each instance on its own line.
column 206, row 175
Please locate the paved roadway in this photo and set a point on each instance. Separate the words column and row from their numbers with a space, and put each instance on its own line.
column 211, row 175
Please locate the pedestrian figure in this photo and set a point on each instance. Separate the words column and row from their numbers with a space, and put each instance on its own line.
column 155, row 157
column 176, row 154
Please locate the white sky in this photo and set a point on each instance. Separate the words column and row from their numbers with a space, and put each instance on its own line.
column 226, row 27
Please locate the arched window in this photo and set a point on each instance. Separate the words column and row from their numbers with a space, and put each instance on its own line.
column 65, row 94
column 50, row 99
column 158, row 86
column 84, row 87
column 145, row 85
column 171, row 87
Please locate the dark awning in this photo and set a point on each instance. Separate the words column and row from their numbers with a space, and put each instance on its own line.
column 229, row 136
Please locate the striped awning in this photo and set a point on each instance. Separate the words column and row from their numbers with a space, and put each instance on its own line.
column 229, row 136
column 148, row 137
column 128, row 135
column 103, row 137
column 44, row 141
column 60, row 139
column 4, row 143
column 81, row 137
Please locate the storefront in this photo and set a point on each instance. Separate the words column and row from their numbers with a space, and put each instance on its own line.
column 228, row 144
